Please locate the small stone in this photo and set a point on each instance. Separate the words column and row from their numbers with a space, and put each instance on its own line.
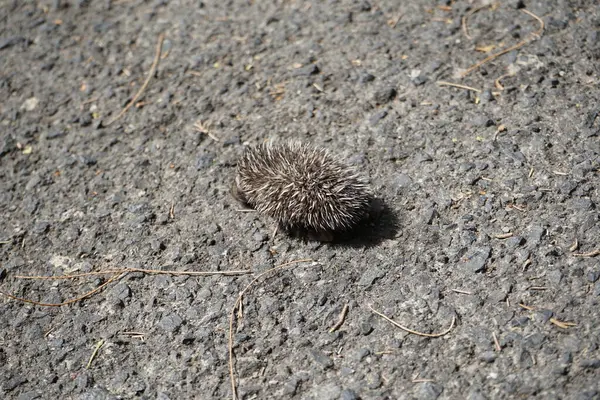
column 321, row 358
column 466, row 166
column 366, row 328
column 170, row 322
column 545, row 315
column 121, row 291
column 488, row 357
column 583, row 204
column 518, row 4
column 429, row 215
column 590, row 364
column 11, row 41
column 423, row 157
column 361, row 354
column 482, row 121
column 327, row 391
column 30, row 104
column 403, row 181
column 7, row 145
column 290, row 387
column 476, row 395
column 33, row 182
column 55, row 133
column 11, row 384
column 476, row 259
column 566, row 188
column 232, row 141
column 514, row 241
column 205, row 160
column 348, row 394
column 417, row 78
column 378, row 116
column 554, row 276
column 384, row 95
column 308, row 70
column 371, row 275
column 560, row 370
column 366, row 77
column 588, row 395
column 157, row 245
column 374, row 381
column 521, row 321
column 430, row 391
column 85, row 119
column 83, row 381
column 481, row 166
column 487, row 96
column 534, row 235
column 364, row 6
column 41, row 227
column 87, row 160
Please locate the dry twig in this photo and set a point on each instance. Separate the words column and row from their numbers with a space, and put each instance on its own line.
column 430, row 335
column 592, row 253
column 94, row 353
column 562, row 324
column 496, row 343
column 511, row 48
column 117, row 275
column 460, row 291
column 456, row 85
column 161, row 38
column 64, row 303
column 497, row 81
column 341, row 319
column 467, row 15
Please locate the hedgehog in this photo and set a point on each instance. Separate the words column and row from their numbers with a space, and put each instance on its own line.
column 306, row 190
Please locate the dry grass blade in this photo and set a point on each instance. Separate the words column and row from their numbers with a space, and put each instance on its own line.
column 161, row 38
column 539, row 20
column 465, row 26
column 118, row 274
column 128, row 270
column 456, row 85
column 237, row 303
column 94, row 353
column 496, row 342
column 460, row 291
column 430, row 335
column 341, row 319
column 497, row 81
column 592, row 253
column 511, row 48
column 64, row 303
column 562, row 324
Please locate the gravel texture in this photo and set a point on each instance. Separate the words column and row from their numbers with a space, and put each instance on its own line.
column 487, row 198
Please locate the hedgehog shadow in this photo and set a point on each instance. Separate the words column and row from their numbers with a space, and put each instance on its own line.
column 382, row 224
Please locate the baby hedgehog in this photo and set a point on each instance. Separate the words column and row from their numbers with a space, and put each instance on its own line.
column 305, row 189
